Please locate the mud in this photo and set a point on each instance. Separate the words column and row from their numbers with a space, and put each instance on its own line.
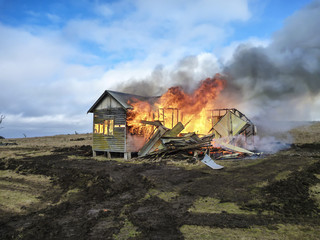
column 107, row 194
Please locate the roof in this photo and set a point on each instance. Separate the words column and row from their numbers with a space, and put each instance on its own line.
column 122, row 99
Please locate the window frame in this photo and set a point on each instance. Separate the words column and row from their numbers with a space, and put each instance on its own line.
column 104, row 127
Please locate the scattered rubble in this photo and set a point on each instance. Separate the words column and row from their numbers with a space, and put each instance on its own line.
column 172, row 143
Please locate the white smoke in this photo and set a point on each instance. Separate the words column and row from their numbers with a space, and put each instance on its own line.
column 271, row 144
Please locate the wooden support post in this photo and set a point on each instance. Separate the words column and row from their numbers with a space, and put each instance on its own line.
column 127, row 155
column 108, row 155
column 163, row 116
column 172, row 118
column 94, row 153
column 177, row 115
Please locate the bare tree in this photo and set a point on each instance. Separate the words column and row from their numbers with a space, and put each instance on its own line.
column 1, row 118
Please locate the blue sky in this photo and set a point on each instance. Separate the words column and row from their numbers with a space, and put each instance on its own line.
column 57, row 57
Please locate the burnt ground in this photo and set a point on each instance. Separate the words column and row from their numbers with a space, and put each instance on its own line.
column 111, row 194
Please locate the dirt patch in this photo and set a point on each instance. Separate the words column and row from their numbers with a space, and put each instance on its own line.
column 156, row 217
column 84, row 150
column 100, row 189
column 291, row 196
column 307, row 146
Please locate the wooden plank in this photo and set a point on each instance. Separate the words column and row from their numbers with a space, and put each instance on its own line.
column 154, row 123
column 177, row 149
column 153, row 140
column 175, row 130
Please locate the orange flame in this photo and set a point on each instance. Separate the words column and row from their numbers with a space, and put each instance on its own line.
column 177, row 106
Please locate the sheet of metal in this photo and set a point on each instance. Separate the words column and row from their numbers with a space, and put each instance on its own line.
column 229, row 125
column 236, row 123
column 209, row 162
column 228, row 146
column 222, row 127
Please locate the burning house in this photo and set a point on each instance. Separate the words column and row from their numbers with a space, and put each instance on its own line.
column 110, row 124
column 126, row 123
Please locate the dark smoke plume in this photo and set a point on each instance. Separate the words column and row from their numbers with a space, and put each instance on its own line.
column 281, row 80
column 186, row 74
column 150, row 86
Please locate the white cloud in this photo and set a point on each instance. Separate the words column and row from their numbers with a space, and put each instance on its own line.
column 195, row 11
column 16, row 125
column 50, row 77
column 158, row 27
column 53, row 18
column 103, row 10
column 36, row 76
column 25, row 56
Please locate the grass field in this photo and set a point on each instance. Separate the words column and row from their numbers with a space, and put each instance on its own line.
column 52, row 188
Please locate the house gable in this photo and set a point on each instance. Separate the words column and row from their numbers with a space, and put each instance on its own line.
column 108, row 102
column 111, row 99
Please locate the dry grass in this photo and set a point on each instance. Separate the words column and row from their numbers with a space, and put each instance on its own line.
column 41, row 146
column 19, row 192
column 307, row 134
column 213, row 205
column 52, row 141
column 278, row 231
column 166, row 196
column 315, row 193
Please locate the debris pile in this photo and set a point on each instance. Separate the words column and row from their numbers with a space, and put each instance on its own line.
column 220, row 143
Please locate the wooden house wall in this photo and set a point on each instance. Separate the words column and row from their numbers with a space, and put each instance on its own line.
column 134, row 142
column 121, row 140
column 115, row 142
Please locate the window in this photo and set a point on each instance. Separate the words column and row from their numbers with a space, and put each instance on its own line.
column 98, row 128
column 108, row 127
column 105, row 128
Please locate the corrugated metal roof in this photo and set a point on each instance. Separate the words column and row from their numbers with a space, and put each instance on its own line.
column 123, row 99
